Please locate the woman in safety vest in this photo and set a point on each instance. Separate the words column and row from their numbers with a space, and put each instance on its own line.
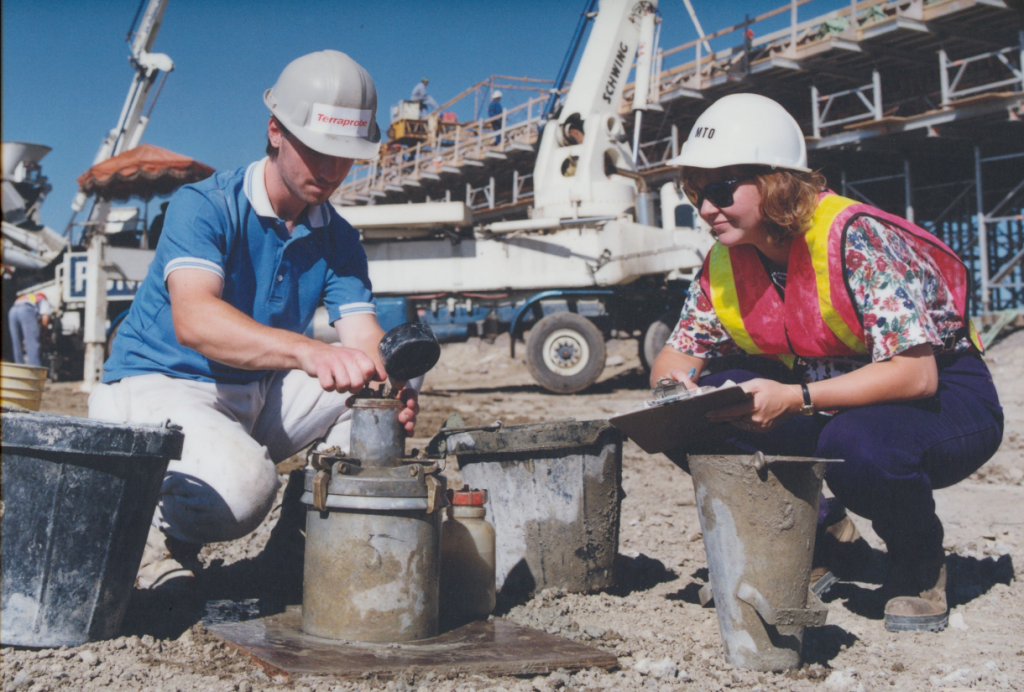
column 859, row 321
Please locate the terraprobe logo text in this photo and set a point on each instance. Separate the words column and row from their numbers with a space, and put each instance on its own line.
column 338, row 120
column 321, row 118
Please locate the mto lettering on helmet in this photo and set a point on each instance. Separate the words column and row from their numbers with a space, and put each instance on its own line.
column 338, row 120
column 705, row 132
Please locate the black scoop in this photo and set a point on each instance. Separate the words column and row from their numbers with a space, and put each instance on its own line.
column 408, row 351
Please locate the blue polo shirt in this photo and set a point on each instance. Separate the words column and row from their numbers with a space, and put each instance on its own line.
column 226, row 225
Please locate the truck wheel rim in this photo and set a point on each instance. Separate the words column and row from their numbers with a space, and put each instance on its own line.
column 566, row 352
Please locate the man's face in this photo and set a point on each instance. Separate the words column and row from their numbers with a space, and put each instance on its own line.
column 308, row 175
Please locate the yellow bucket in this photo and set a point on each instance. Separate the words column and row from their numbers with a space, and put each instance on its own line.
column 22, row 385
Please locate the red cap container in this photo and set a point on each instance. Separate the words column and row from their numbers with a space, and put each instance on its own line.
column 467, row 496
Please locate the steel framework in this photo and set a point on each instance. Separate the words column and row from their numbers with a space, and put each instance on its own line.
column 915, row 105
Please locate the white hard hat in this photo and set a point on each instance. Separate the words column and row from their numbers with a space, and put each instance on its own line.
column 496, row 94
column 744, row 129
column 329, row 102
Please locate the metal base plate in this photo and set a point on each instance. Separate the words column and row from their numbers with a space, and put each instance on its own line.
column 491, row 647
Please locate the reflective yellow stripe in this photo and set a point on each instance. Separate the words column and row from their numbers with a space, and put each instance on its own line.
column 975, row 337
column 725, row 300
column 817, row 244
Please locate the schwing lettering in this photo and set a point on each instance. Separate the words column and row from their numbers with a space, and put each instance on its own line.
column 613, row 78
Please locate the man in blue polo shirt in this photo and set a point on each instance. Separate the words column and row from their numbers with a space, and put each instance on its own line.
column 214, row 340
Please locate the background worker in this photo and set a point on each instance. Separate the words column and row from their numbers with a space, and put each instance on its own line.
column 28, row 319
column 420, row 95
column 156, row 228
column 214, row 340
column 853, row 312
column 494, row 111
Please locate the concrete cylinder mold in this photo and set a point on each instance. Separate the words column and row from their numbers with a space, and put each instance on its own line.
column 372, row 559
column 376, row 438
column 758, row 515
column 554, row 495
column 371, row 576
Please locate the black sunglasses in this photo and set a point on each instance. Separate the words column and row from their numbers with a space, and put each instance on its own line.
column 719, row 194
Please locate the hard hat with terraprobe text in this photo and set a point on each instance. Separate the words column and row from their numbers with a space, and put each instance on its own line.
column 329, row 102
column 744, row 129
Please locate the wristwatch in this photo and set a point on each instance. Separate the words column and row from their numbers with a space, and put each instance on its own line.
column 808, row 408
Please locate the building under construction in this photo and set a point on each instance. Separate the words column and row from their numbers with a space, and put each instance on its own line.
column 913, row 106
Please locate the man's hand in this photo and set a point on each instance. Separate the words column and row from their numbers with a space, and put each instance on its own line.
column 407, row 416
column 772, row 404
column 339, row 369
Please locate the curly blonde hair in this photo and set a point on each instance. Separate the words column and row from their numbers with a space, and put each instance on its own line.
column 788, row 198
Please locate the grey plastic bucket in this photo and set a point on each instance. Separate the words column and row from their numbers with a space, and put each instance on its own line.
column 554, row 496
column 758, row 515
column 78, row 497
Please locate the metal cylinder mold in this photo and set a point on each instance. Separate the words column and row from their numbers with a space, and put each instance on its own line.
column 378, row 439
column 371, row 575
column 372, row 559
column 758, row 515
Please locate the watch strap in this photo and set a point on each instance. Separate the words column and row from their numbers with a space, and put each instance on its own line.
column 808, row 408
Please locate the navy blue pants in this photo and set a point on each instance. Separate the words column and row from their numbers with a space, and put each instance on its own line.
column 24, row 325
column 893, row 455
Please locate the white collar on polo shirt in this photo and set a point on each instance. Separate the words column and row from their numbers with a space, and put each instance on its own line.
column 256, row 192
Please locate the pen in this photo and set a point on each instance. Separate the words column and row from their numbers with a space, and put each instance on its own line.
column 689, row 375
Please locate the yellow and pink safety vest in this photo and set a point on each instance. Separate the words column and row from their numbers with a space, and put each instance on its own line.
column 817, row 318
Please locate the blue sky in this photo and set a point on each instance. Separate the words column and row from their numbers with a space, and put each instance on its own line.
column 66, row 71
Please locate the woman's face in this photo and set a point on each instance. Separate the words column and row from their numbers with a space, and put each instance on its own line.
column 740, row 222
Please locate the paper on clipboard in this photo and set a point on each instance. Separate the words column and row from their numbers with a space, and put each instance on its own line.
column 662, row 427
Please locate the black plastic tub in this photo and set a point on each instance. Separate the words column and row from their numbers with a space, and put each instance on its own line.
column 78, row 498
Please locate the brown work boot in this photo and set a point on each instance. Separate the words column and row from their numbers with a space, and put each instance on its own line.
column 917, row 596
column 839, row 550
column 167, row 561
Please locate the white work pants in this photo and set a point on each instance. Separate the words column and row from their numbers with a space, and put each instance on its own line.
column 224, row 484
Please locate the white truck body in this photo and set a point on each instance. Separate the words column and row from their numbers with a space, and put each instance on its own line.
column 581, row 232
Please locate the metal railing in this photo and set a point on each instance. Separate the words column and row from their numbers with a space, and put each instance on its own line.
column 952, row 90
column 999, row 267
column 656, row 153
column 707, row 69
column 486, row 191
column 449, row 148
column 874, row 106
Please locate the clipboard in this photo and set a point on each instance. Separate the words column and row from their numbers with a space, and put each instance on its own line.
column 662, row 427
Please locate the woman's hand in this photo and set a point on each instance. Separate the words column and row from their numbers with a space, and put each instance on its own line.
column 678, row 375
column 772, row 403
column 677, row 366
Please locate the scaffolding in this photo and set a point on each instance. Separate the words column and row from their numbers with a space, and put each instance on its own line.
column 912, row 105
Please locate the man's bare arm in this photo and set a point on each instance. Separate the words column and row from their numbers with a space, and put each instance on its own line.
column 362, row 332
column 219, row 331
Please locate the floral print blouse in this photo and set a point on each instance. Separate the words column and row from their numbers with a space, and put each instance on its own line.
column 897, row 290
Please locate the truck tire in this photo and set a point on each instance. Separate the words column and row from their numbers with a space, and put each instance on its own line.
column 565, row 353
column 655, row 336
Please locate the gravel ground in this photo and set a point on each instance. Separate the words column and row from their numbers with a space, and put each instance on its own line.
column 652, row 620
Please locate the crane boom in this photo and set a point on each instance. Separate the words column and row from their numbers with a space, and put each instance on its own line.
column 132, row 123
column 126, row 135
